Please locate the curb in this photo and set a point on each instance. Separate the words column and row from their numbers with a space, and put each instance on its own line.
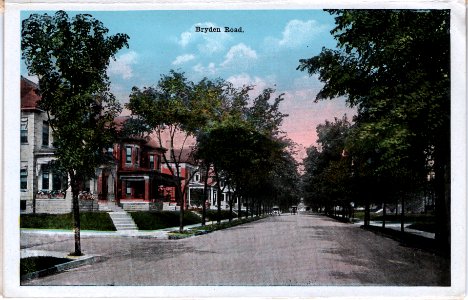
column 62, row 267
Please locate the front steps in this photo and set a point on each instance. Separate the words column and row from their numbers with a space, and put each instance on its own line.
column 123, row 222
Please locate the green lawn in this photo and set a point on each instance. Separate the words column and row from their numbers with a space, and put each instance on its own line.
column 37, row 263
column 423, row 222
column 209, row 228
column 89, row 221
column 146, row 220
column 424, row 226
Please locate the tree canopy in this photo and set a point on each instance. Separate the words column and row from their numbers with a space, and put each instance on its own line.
column 394, row 67
column 70, row 57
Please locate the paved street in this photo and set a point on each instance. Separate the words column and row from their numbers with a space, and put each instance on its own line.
column 281, row 250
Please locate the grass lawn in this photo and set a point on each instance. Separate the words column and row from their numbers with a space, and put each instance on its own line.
column 88, row 220
column 146, row 220
column 423, row 222
column 408, row 218
column 37, row 263
column 209, row 228
column 396, row 218
column 424, row 226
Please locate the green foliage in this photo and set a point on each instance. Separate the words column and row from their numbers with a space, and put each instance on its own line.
column 162, row 219
column 381, row 67
column 89, row 221
column 70, row 58
column 327, row 178
column 394, row 67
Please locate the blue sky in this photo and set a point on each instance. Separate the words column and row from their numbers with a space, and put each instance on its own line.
column 266, row 54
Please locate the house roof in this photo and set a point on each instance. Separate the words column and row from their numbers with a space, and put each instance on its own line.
column 29, row 96
column 149, row 141
column 186, row 155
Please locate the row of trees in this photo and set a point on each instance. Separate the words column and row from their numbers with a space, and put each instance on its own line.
column 394, row 67
column 237, row 137
column 238, row 140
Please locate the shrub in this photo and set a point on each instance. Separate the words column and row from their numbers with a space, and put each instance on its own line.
column 146, row 220
column 212, row 214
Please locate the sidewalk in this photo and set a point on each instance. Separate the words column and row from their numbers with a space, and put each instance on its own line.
column 397, row 227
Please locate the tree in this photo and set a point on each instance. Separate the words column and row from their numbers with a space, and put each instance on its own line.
column 241, row 141
column 327, row 177
column 403, row 102
column 284, row 178
column 178, row 108
column 70, row 56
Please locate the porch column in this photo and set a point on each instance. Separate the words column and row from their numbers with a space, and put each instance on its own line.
column 110, row 187
column 188, row 197
column 147, row 188
column 124, row 189
column 99, row 186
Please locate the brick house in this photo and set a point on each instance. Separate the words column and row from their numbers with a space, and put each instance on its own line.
column 135, row 180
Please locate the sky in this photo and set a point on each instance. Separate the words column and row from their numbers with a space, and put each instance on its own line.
column 265, row 54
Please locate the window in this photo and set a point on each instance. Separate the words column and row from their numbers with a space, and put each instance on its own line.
column 45, row 177
column 197, row 177
column 128, row 190
column 24, row 130
column 128, row 155
column 57, row 181
column 151, row 162
column 137, row 155
column 45, row 134
column 24, row 178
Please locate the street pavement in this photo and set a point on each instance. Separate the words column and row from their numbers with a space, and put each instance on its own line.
column 286, row 250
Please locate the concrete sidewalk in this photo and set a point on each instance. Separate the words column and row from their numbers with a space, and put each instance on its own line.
column 397, row 227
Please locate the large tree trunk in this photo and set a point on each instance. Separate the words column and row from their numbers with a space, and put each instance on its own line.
column 402, row 224
column 384, row 216
column 231, row 202
column 182, row 206
column 218, row 203
column 76, row 214
column 239, row 206
column 442, row 198
column 205, row 196
column 252, row 207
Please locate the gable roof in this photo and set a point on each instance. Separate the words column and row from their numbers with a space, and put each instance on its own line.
column 186, row 155
column 29, row 96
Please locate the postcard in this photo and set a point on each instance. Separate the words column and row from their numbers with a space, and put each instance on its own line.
column 235, row 149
